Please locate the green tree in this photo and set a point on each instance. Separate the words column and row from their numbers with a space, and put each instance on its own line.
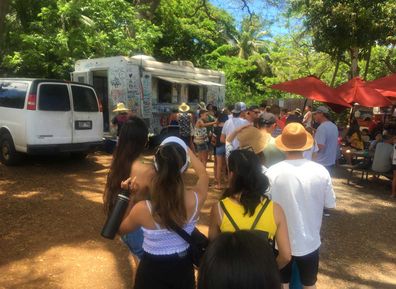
column 189, row 31
column 44, row 39
column 348, row 26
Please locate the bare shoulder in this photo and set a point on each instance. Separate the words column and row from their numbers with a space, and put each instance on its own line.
column 278, row 212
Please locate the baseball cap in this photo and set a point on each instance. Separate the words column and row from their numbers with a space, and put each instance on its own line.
column 239, row 107
column 267, row 118
column 322, row 109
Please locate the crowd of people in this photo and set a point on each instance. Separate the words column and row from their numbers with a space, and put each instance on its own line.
column 274, row 168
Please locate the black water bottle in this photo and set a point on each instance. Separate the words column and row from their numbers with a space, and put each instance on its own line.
column 113, row 221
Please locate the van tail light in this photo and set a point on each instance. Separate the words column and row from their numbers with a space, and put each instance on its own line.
column 100, row 106
column 31, row 104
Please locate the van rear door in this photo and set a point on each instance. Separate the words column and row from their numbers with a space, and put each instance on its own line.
column 87, row 117
column 52, row 122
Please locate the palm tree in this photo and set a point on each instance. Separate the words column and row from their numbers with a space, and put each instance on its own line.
column 249, row 41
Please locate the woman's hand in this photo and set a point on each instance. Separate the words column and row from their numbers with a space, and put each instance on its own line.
column 130, row 184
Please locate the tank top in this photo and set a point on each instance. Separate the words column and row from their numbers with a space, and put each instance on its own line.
column 161, row 241
column 245, row 222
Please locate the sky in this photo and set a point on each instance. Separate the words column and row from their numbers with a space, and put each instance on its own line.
column 274, row 14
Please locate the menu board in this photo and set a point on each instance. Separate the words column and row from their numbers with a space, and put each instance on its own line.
column 146, row 95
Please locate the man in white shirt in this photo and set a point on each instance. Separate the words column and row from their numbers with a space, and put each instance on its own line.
column 326, row 137
column 303, row 189
column 237, row 120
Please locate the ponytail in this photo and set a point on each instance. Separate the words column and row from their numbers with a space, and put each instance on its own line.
column 167, row 192
column 247, row 180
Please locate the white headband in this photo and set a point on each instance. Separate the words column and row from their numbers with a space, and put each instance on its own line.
column 174, row 139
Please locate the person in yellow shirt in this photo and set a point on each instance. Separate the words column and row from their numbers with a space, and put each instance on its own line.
column 354, row 141
column 245, row 206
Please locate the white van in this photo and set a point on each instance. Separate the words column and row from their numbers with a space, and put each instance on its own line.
column 40, row 116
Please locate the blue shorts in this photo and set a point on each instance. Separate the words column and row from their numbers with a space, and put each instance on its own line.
column 134, row 241
column 201, row 147
column 220, row 150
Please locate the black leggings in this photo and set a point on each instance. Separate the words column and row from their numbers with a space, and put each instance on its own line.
column 165, row 272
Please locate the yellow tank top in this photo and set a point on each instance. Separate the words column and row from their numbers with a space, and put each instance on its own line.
column 245, row 222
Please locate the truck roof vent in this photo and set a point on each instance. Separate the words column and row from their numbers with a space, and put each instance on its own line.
column 143, row 57
column 182, row 63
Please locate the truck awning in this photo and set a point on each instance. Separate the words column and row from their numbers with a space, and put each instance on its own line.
column 188, row 81
column 205, row 82
column 176, row 80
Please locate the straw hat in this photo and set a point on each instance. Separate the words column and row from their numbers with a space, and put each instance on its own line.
column 184, row 107
column 253, row 138
column 120, row 108
column 202, row 105
column 294, row 137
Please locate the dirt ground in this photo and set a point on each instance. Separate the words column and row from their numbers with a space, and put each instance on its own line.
column 51, row 216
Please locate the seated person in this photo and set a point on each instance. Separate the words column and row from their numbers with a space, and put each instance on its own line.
column 365, row 135
column 354, row 141
column 382, row 161
column 373, row 143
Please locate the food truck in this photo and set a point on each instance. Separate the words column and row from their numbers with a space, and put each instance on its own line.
column 149, row 88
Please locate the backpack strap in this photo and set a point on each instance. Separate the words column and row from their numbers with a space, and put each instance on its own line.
column 267, row 201
column 229, row 216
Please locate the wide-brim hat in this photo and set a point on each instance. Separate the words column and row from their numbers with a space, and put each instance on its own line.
column 294, row 137
column 120, row 108
column 184, row 107
column 202, row 105
column 252, row 138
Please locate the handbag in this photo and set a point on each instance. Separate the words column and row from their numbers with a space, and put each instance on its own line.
column 198, row 243
column 213, row 140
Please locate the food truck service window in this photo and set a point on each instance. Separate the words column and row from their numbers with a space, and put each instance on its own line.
column 164, row 91
column 193, row 93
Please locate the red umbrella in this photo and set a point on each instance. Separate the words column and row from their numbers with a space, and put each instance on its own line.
column 313, row 88
column 357, row 91
column 385, row 85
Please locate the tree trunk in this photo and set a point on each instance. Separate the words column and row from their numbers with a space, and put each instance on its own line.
column 367, row 63
column 354, row 52
column 3, row 11
column 335, row 71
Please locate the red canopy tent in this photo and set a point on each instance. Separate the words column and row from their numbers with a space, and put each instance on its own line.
column 313, row 88
column 385, row 85
column 357, row 91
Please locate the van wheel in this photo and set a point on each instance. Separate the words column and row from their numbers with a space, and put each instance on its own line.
column 8, row 155
column 79, row 155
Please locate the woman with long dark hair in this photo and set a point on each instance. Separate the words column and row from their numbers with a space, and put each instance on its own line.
column 166, row 262
column 239, row 260
column 127, row 162
column 245, row 204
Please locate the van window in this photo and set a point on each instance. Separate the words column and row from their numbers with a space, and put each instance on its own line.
column 54, row 97
column 84, row 99
column 13, row 94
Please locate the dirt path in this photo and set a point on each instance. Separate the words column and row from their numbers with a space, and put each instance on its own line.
column 51, row 215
